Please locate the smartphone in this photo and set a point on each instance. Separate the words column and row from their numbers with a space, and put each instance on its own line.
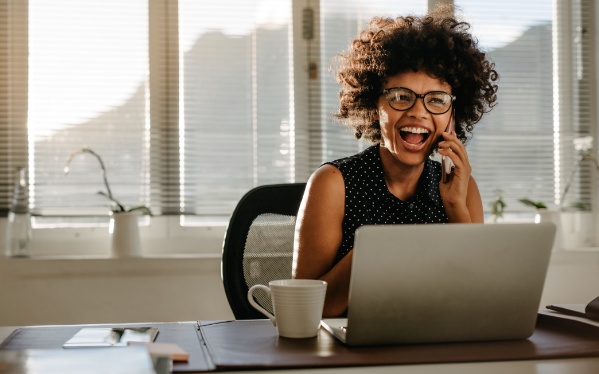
column 447, row 164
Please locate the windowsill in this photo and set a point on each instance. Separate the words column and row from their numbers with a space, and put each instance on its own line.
column 162, row 256
column 162, row 238
column 565, row 255
column 558, row 255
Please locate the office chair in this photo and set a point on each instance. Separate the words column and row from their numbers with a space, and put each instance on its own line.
column 258, row 244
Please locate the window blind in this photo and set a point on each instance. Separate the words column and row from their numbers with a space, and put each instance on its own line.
column 525, row 147
column 13, row 96
column 190, row 105
column 237, row 94
column 512, row 150
column 87, row 88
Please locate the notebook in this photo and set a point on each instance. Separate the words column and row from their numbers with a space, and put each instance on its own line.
column 445, row 283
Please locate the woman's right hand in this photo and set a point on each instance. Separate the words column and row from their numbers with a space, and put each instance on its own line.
column 461, row 197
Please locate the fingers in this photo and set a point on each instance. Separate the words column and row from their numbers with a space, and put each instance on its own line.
column 455, row 192
column 453, row 148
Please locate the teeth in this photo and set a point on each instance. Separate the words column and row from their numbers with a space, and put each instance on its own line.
column 415, row 130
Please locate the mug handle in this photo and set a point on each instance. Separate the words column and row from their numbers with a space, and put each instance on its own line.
column 256, row 305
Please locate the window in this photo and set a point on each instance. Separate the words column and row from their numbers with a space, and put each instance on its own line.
column 524, row 148
column 87, row 87
column 237, row 109
column 190, row 104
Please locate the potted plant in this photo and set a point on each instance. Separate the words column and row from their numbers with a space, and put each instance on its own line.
column 578, row 221
column 574, row 221
column 117, row 206
column 497, row 206
column 124, row 228
column 544, row 214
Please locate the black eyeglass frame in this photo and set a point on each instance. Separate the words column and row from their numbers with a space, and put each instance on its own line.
column 386, row 91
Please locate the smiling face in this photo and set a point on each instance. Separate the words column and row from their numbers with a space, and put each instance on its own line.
column 410, row 136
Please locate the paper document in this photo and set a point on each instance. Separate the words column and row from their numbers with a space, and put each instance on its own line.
column 110, row 337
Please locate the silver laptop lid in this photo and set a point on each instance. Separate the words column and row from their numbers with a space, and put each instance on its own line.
column 447, row 283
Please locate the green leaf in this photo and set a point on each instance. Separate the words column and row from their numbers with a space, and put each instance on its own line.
column 142, row 208
column 119, row 206
column 534, row 204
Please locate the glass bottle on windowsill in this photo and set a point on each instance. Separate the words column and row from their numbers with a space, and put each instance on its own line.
column 18, row 233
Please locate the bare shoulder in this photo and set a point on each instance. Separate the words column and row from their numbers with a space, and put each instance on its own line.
column 325, row 189
column 323, row 203
column 326, row 179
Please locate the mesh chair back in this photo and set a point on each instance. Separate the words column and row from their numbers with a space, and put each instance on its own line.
column 258, row 245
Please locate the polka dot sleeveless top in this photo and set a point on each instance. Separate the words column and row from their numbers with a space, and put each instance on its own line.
column 368, row 201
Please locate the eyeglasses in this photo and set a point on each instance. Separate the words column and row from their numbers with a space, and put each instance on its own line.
column 401, row 98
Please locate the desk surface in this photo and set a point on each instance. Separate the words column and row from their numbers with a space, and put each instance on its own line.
column 571, row 366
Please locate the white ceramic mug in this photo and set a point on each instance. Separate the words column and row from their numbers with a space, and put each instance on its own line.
column 297, row 305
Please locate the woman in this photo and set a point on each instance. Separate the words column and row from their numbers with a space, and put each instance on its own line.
column 403, row 81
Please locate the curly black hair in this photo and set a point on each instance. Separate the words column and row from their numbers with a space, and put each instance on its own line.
column 437, row 44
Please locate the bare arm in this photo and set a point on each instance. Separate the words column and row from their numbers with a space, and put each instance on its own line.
column 318, row 236
column 473, row 212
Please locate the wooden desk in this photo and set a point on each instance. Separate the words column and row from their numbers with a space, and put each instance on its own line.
column 570, row 366
column 548, row 366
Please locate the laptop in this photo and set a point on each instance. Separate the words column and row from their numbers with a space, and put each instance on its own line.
column 445, row 283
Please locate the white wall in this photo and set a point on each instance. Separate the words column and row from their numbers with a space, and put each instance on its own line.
column 185, row 288
column 71, row 278
column 72, row 291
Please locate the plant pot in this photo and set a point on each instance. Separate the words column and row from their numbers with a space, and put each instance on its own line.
column 124, row 232
column 577, row 229
column 554, row 216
